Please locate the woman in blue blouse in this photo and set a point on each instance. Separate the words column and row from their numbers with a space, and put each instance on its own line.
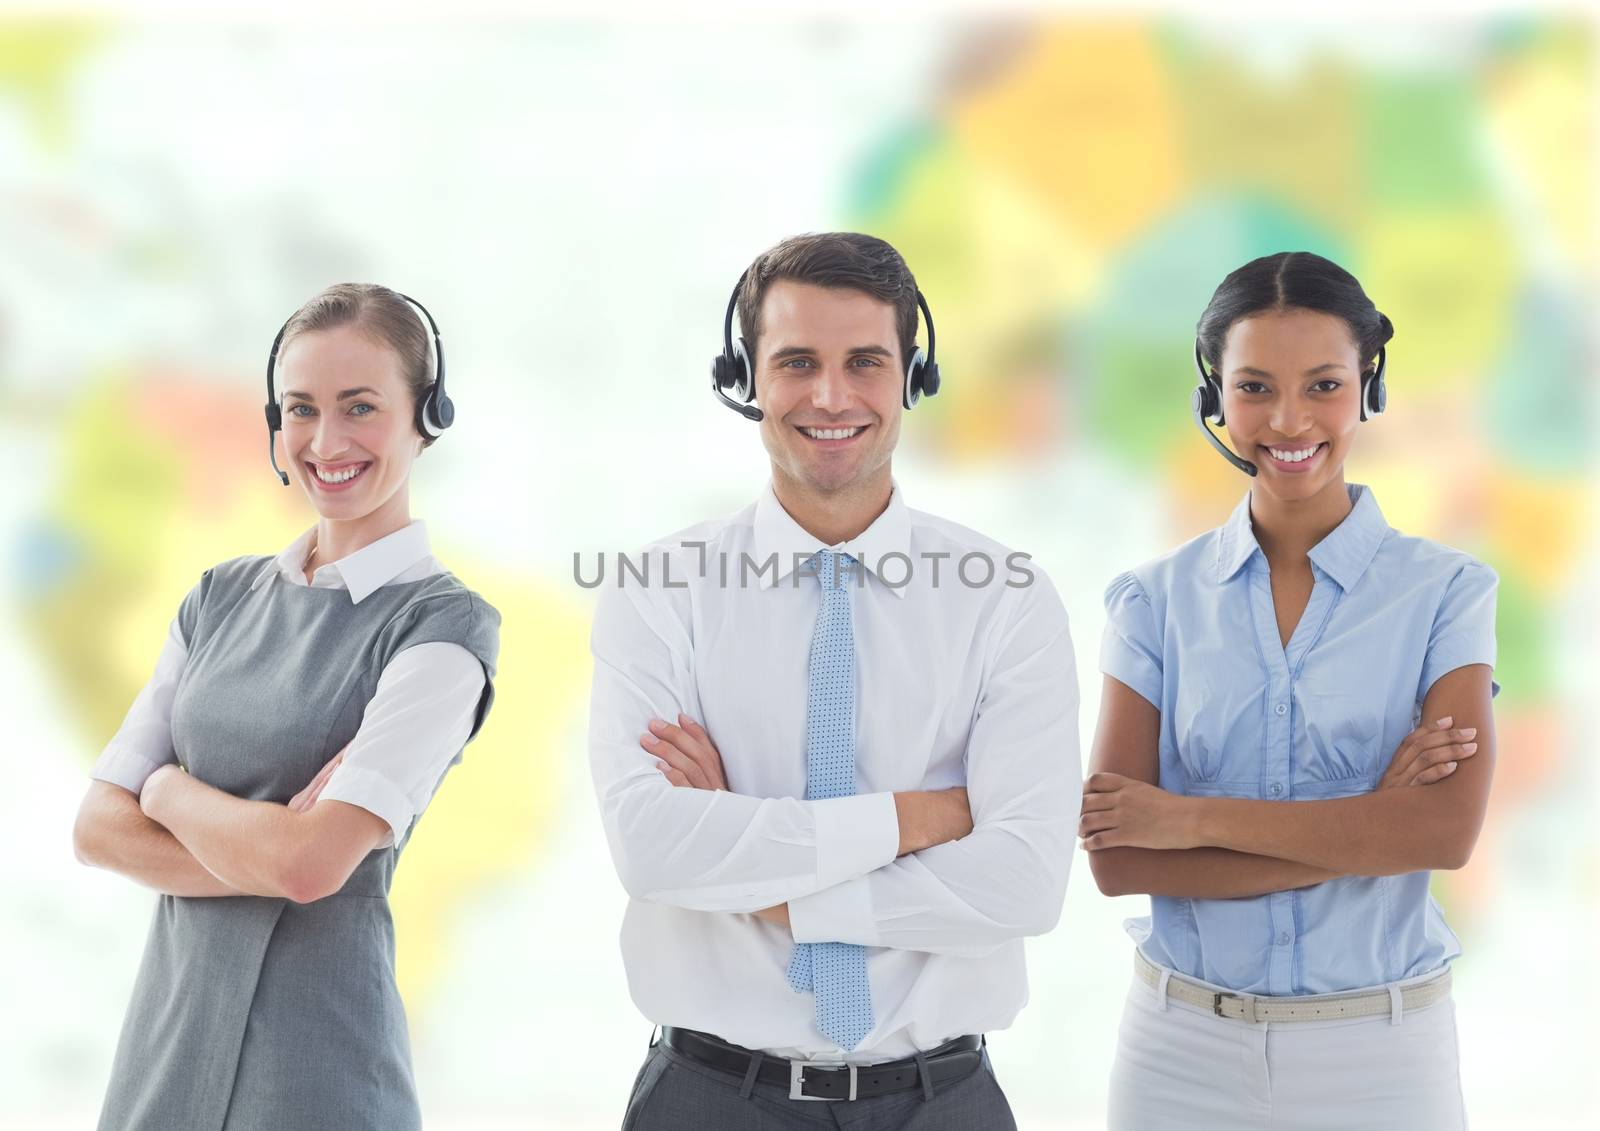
column 1296, row 728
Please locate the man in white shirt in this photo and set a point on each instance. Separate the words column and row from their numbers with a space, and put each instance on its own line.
column 835, row 746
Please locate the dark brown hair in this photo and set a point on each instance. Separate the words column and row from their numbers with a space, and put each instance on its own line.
column 1292, row 280
column 833, row 259
column 384, row 317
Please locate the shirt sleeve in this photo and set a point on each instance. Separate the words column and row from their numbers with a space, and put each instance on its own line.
column 693, row 848
column 143, row 743
column 1130, row 649
column 413, row 730
column 1463, row 628
column 1008, row 878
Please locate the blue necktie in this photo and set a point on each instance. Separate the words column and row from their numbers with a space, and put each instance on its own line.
column 835, row 972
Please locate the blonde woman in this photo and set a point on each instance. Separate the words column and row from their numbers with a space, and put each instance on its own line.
column 302, row 713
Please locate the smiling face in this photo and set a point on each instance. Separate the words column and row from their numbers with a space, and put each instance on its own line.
column 1291, row 388
column 829, row 378
column 347, row 423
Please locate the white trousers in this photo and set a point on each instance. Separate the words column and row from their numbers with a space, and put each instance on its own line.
column 1184, row 1068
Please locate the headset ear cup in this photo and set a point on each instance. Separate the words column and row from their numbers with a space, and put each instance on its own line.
column 744, row 375
column 930, row 379
column 912, row 392
column 1374, row 397
column 428, row 425
column 1374, row 393
column 436, row 413
column 1207, row 399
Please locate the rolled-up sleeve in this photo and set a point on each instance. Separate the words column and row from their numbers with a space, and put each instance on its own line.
column 143, row 743
column 413, row 729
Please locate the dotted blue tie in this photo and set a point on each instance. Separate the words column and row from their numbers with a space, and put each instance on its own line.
column 835, row 972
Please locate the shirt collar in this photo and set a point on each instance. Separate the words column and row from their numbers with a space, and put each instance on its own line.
column 1349, row 548
column 777, row 533
column 363, row 572
column 1236, row 541
column 1343, row 555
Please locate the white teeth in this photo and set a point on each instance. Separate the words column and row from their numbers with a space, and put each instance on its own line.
column 832, row 433
column 339, row 476
column 1294, row 457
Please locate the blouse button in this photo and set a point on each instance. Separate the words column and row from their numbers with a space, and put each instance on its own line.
column 1283, row 938
column 1277, row 788
column 1279, row 709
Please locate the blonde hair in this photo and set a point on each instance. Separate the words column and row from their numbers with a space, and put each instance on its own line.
column 385, row 317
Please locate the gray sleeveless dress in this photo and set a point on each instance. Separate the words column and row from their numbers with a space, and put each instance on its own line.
column 251, row 1013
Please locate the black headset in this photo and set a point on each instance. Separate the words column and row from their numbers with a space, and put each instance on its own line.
column 1206, row 403
column 733, row 370
column 435, row 410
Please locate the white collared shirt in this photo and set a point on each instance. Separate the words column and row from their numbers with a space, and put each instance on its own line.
column 416, row 723
column 956, row 683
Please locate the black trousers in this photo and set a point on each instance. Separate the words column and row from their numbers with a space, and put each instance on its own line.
column 674, row 1093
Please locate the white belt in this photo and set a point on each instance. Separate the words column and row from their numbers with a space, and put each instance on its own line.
column 1318, row 1007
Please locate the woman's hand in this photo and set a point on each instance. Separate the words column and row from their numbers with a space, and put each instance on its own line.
column 1429, row 754
column 152, row 793
column 307, row 797
column 685, row 754
column 1121, row 812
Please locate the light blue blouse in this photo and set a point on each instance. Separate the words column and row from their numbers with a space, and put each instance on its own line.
column 1195, row 633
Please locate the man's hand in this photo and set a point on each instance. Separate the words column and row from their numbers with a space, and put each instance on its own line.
column 778, row 914
column 1121, row 812
column 931, row 817
column 307, row 797
column 1429, row 754
column 685, row 754
column 686, row 757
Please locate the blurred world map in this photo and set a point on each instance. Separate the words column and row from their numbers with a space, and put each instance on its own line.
column 573, row 200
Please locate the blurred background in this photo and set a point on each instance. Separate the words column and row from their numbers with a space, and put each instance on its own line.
column 573, row 196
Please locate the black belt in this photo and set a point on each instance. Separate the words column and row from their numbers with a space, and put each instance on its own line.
column 810, row 1080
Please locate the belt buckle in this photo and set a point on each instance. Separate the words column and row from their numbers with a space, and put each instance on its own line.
column 797, row 1079
column 1247, row 1003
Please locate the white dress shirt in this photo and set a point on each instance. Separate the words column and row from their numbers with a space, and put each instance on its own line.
column 956, row 683
column 412, row 730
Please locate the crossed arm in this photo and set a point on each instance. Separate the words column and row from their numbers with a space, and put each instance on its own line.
column 687, row 758
column 112, row 832
column 957, row 886
column 708, row 849
column 183, row 837
column 946, row 872
column 1424, row 814
column 146, row 818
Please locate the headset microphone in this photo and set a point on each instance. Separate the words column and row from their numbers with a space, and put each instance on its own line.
column 1207, row 402
column 748, row 411
column 274, row 412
